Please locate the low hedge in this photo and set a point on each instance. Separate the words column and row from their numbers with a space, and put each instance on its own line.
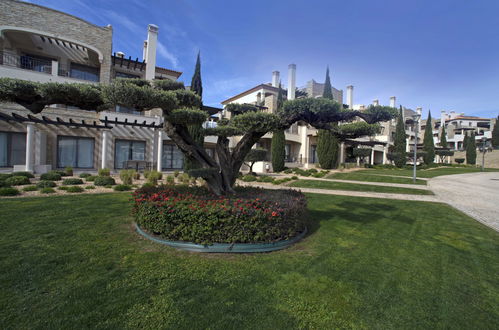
column 122, row 187
column 46, row 184
column 72, row 181
column 9, row 191
column 85, row 175
column 17, row 181
column 47, row 190
column 30, row 188
column 74, row 189
column 91, row 178
column 104, row 181
column 51, row 176
column 26, row 174
column 193, row 214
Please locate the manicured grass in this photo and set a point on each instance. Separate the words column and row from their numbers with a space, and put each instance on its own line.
column 429, row 173
column 365, row 176
column 74, row 262
column 357, row 187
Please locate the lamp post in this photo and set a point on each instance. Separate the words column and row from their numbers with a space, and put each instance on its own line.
column 484, row 141
column 416, row 120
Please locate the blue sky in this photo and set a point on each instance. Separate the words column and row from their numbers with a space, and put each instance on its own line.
column 438, row 54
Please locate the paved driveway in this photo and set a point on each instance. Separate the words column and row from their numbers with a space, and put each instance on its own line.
column 476, row 194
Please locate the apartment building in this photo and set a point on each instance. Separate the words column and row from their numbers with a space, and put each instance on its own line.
column 45, row 45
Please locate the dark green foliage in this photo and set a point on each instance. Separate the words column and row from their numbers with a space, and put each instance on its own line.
column 187, row 116
column 64, row 188
column 196, row 82
column 443, row 136
column 328, row 90
column 104, row 181
column 466, row 140
column 74, row 189
column 72, row 181
column 153, row 176
column 471, row 150
column 90, row 187
column 104, row 172
column 248, row 178
column 400, row 143
column 495, row 134
column 60, row 172
column 26, row 174
column 362, row 153
column 50, row 176
column 30, row 188
column 255, row 155
column 122, row 187
column 196, row 132
column 9, row 191
column 278, row 151
column 126, row 176
column 327, row 149
column 17, row 181
column 47, row 190
column 265, row 178
column 192, row 214
column 85, row 175
column 200, row 172
column 68, row 171
column 91, row 178
column 45, row 184
column 443, row 154
column 428, row 145
column 459, row 160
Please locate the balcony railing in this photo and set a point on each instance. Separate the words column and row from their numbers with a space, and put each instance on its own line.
column 26, row 62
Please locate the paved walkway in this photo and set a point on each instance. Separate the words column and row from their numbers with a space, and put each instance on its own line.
column 476, row 194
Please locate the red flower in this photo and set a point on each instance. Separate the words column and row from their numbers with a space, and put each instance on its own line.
column 274, row 214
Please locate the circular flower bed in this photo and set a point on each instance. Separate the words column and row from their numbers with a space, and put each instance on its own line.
column 192, row 214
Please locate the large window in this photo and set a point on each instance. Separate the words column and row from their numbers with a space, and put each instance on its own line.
column 128, row 150
column 84, row 72
column 12, row 149
column 76, row 152
column 172, row 157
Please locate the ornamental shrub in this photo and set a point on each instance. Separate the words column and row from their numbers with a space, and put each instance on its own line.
column 74, row 189
column 17, row 181
column 85, row 175
column 459, row 160
column 9, row 191
column 60, row 172
column 51, row 176
column 248, row 178
column 153, row 176
column 122, row 187
column 68, row 170
column 104, row 181
column 4, row 176
column 72, row 181
column 265, row 178
column 90, row 187
column 30, row 188
column 288, row 171
column 193, row 214
column 26, row 174
column 170, row 179
column 47, row 190
column 104, row 172
column 91, row 178
column 63, row 188
column 126, row 176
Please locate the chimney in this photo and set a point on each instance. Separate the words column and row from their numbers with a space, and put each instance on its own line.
column 152, row 40
column 350, row 96
column 291, row 81
column 376, row 102
column 120, row 54
column 275, row 78
column 392, row 101
column 144, row 50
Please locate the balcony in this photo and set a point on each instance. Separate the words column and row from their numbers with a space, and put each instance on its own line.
column 26, row 62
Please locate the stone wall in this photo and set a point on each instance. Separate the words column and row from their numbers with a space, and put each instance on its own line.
column 49, row 22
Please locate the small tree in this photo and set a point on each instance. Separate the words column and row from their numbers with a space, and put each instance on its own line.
column 495, row 134
column 362, row 153
column 400, row 143
column 465, row 141
column 428, row 144
column 443, row 136
column 255, row 155
column 471, row 150
column 278, row 143
column 443, row 154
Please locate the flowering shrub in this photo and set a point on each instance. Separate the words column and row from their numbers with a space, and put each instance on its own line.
column 193, row 214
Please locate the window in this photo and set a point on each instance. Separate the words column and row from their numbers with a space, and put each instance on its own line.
column 84, row 72
column 125, row 75
column 128, row 150
column 313, row 154
column 36, row 63
column 76, row 152
column 12, row 149
column 172, row 157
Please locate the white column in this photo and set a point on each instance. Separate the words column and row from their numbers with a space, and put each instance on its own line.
column 358, row 161
column 30, row 147
column 159, row 165
column 291, row 81
column 372, row 156
column 350, row 97
column 385, row 151
column 342, row 153
column 376, row 102
column 105, row 141
column 392, row 101
column 55, row 68
column 152, row 40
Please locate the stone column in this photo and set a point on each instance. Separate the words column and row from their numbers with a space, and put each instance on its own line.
column 372, row 156
column 350, row 97
column 30, row 147
column 105, row 141
column 385, row 151
column 55, row 68
column 342, row 152
column 159, row 165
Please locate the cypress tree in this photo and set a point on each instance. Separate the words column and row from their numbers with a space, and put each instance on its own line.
column 443, row 136
column 400, row 143
column 278, row 144
column 471, row 150
column 428, row 145
column 196, row 131
column 465, row 140
column 495, row 134
column 327, row 143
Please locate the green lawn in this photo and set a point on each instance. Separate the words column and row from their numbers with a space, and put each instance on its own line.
column 74, row 262
column 365, row 176
column 357, row 187
column 429, row 173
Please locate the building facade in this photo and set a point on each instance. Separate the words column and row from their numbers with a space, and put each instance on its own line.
column 45, row 45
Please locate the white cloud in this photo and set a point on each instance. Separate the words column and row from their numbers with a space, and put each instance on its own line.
column 163, row 52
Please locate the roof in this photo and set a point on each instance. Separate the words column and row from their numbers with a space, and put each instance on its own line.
column 467, row 118
column 168, row 71
column 251, row 90
column 136, row 63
